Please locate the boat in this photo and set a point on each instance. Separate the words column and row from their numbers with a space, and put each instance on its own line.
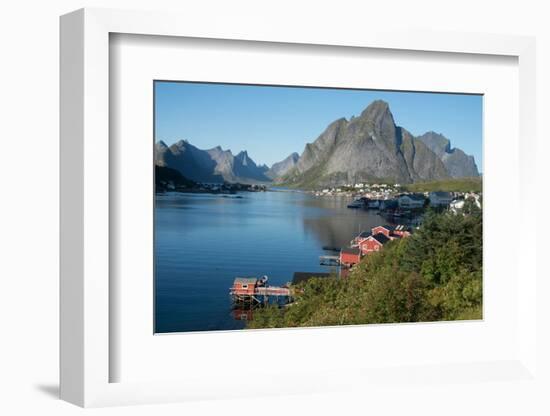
column 373, row 204
column 358, row 203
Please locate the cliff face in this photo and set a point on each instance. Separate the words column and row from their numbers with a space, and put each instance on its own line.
column 281, row 168
column 365, row 148
column 457, row 163
column 191, row 162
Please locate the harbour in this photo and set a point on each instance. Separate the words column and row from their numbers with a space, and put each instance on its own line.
column 203, row 242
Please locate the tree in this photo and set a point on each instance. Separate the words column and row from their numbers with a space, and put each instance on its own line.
column 435, row 274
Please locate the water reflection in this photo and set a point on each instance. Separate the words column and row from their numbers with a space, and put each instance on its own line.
column 203, row 242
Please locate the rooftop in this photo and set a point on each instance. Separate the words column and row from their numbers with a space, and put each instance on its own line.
column 441, row 194
column 415, row 197
column 245, row 280
column 386, row 226
column 381, row 238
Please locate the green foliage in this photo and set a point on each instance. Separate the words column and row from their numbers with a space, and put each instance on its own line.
column 270, row 316
column 165, row 176
column 433, row 275
column 448, row 185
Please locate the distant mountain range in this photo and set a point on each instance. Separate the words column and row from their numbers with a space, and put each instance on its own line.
column 210, row 166
column 366, row 148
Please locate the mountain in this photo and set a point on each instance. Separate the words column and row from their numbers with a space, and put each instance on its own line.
column 191, row 162
column 364, row 149
column 212, row 166
column 369, row 148
column 280, row 168
column 240, row 168
column 457, row 163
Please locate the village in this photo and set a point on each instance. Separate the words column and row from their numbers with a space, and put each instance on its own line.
column 373, row 191
column 248, row 293
column 225, row 188
column 394, row 201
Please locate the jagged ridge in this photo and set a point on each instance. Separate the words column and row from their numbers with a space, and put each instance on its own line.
column 211, row 166
column 371, row 148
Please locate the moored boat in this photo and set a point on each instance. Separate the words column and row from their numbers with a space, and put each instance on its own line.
column 358, row 203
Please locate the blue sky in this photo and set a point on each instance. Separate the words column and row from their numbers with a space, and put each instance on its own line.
column 272, row 122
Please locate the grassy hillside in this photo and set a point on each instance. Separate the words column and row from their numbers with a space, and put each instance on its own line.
column 434, row 275
column 448, row 185
column 315, row 178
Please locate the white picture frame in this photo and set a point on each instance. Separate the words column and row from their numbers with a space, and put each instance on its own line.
column 86, row 355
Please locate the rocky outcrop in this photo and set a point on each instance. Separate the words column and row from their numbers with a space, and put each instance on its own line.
column 281, row 168
column 457, row 163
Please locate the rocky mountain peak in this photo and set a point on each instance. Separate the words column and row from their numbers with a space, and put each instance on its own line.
column 214, row 165
column 457, row 163
column 243, row 158
column 180, row 143
column 369, row 147
column 378, row 112
column 280, row 168
column 438, row 143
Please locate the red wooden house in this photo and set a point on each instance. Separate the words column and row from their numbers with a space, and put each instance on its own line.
column 387, row 230
column 350, row 256
column 244, row 286
column 364, row 235
column 373, row 243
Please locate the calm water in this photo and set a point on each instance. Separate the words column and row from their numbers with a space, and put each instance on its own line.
column 202, row 242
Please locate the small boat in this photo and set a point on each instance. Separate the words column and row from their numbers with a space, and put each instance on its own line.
column 373, row 204
column 357, row 204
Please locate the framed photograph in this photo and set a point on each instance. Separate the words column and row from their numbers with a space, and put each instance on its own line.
column 292, row 208
column 319, row 237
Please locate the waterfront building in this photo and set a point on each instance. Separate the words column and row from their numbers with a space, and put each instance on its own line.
column 387, row 230
column 411, row 201
column 440, row 199
column 245, row 285
column 373, row 243
column 350, row 256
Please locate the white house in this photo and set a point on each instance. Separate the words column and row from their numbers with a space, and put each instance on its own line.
column 440, row 199
column 411, row 201
column 457, row 205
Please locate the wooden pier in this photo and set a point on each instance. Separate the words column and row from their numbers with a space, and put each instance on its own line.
column 329, row 260
column 253, row 290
